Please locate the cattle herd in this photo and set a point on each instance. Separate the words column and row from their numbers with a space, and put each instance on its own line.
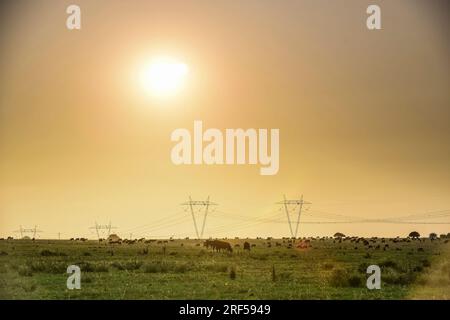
column 216, row 245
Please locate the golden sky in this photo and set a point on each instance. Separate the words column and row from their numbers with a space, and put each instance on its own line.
column 363, row 115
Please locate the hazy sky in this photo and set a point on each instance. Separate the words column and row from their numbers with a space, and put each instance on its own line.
column 364, row 116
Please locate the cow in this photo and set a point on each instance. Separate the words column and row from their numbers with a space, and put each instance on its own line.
column 218, row 245
column 246, row 246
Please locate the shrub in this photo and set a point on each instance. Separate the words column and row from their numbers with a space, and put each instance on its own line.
column 426, row 263
column 400, row 279
column 362, row 268
column 217, row 267
column 24, row 271
column 182, row 268
column 127, row 265
column 54, row 267
column 342, row 278
column 152, row 268
column 338, row 278
column 389, row 264
column 233, row 273
column 355, row 281
column 285, row 275
column 165, row 266
column 327, row 266
column 93, row 267
column 49, row 253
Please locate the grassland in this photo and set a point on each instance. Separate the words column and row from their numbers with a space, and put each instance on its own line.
column 184, row 269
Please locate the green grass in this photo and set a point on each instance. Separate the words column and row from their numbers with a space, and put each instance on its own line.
column 328, row 270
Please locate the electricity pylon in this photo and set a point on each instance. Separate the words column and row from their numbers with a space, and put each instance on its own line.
column 23, row 231
column 290, row 207
column 199, row 206
column 106, row 227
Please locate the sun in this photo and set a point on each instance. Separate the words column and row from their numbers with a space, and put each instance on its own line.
column 163, row 77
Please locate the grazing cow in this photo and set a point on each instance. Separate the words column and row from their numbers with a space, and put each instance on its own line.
column 246, row 246
column 207, row 243
column 218, row 245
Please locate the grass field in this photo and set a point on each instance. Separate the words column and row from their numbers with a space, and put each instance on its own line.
column 184, row 269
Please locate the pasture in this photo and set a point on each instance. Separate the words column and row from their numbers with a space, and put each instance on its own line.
column 185, row 269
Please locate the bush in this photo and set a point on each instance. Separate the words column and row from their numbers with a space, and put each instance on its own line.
column 362, row 268
column 285, row 275
column 166, row 266
column 93, row 267
column 127, row 265
column 327, row 266
column 54, row 267
column 400, row 279
column 24, row 271
column 217, row 267
column 182, row 268
column 355, row 281
column 342, row 278
column 233, row 273
column 339, row 278
column 156, row 267
column 389, row 264
column 426, row 263
column 49, row 253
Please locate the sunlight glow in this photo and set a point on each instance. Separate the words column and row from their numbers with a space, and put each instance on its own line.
column 163, row 77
